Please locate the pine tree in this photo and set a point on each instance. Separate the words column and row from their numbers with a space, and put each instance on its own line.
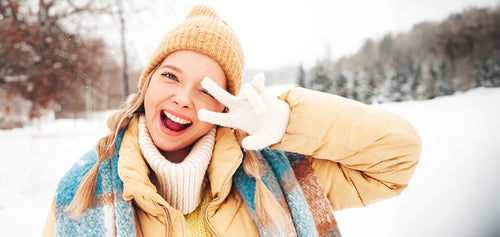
column 444, row 83
column 487, row 73
column 417, row 80
column 372, row 89
column 430, row 83
column 386, row 47
column 341, row 85
column 301, row 77
column 355, row 91
column 321, row 80
column 367, row 86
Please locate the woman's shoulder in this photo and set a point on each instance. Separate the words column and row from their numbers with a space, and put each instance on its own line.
column 71, row 180
column 107, row 177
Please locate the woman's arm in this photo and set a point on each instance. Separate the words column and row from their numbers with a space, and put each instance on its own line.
column 360, row 153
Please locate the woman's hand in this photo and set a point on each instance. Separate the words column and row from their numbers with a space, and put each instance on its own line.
column 252, row 111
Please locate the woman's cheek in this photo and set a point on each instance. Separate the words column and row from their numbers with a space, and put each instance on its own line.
column 218, row 107
column 212, row 105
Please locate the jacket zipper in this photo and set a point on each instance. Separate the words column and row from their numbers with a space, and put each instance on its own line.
column 168, row 221
column 209, row 226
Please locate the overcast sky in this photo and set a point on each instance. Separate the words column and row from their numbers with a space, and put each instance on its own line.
column 284, row 32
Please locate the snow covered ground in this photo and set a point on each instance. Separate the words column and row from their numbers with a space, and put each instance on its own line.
column 454, row 192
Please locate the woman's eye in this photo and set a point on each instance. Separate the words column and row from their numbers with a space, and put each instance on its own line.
column 206, row 93
column 169, row 75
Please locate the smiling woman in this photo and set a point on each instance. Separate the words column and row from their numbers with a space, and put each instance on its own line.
column 175, row 96
column 195, row 153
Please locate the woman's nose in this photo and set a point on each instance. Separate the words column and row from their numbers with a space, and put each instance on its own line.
column 183, row 98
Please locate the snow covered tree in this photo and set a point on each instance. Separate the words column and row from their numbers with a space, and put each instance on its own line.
column 416, row 72
column 386, row 46
column 487, row 72
column 366, row 86
column 301, row 77
column 354, row 91
column 321, row 77
column 431, row 83
column 341, row 85
column 444, row 83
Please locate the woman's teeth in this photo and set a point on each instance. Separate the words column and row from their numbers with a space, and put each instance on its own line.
column 175, row 118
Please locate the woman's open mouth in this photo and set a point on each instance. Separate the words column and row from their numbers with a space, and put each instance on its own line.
column 173, row 122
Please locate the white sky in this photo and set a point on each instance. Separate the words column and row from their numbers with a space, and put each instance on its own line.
column 284, row 32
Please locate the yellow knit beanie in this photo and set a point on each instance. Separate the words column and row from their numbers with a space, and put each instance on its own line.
column 204, row 32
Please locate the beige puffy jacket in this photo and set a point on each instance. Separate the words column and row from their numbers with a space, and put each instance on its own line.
column 361, row 155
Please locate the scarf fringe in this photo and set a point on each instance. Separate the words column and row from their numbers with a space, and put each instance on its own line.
column 291, row 179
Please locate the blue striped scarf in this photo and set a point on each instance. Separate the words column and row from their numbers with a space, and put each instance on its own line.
column 110, row 214
column 289, row 176
column 291, row 179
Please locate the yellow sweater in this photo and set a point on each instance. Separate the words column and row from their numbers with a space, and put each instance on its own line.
column 194, row 220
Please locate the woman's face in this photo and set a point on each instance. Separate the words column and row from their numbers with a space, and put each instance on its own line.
column 175, row 96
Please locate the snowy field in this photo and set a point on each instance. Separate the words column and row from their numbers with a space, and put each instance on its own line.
column 455, row 190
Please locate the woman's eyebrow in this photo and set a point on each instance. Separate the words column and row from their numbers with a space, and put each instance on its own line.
column 172, row 67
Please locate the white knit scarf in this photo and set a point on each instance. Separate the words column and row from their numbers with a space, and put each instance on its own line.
column 179, row 183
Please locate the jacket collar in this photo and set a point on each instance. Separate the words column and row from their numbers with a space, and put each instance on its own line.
column 134, row 170
column 226, row 158
column 134, row 173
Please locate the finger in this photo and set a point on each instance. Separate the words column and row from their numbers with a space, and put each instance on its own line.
column 218, row 93
column 248, row 92
column 258, row 82
column 255, row 142
column 222, row 119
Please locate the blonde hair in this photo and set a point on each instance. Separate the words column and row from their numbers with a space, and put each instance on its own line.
column 270, row 213
column 105, row 148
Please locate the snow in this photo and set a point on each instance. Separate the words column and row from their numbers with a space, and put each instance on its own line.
column 454, row 191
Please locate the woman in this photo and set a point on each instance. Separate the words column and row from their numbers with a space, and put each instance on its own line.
column 191, row 154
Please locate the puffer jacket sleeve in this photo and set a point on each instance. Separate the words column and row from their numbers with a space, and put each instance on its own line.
column 360, row 153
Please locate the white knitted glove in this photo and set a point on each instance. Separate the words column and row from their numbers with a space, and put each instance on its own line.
column 252, row 111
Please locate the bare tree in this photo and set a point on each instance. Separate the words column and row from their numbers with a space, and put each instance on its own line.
column 123, row 30
column 42, row 61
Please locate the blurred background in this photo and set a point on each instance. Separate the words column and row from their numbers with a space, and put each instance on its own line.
column 65, row 64
column 64, row 58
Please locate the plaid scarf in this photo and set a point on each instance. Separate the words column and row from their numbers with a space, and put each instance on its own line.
column 289, row 176
column 109, row 215
column 291, row 179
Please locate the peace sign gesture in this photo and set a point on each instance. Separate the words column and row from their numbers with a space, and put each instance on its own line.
column 252, row 111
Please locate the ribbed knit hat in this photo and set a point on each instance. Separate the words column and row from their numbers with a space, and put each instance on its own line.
column 204, row 32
